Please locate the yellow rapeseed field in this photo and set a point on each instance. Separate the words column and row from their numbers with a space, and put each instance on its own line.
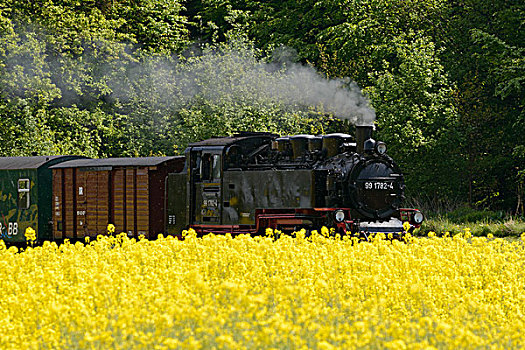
column 261, row 293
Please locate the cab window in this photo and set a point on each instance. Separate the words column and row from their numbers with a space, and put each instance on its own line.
column 24, row 186
column 210, row 167
column 206, row 167
column 216, row 167
column 196, row 165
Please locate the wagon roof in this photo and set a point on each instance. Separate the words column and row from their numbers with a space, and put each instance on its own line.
column 115, row 162
column 13, row 163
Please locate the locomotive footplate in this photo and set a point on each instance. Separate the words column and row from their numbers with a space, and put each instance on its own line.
column 392, row 226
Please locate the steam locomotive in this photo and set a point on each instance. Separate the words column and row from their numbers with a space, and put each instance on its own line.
column 252, row 181
column 245, row 183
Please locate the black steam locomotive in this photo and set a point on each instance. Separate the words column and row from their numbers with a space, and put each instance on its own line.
column 253, row 181
column 241, row 184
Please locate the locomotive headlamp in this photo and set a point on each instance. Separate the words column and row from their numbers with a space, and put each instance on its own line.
column 418, row 217
column 381, row 147
column 339, row 215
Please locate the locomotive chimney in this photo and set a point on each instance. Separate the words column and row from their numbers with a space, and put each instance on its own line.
column 362, row 133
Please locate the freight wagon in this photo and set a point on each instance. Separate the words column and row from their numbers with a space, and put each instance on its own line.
column 89, row 194
column 25, row 196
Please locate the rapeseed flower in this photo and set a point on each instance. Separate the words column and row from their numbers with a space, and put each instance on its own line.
column 111, row 229
column 218, row 291
column 30, row 235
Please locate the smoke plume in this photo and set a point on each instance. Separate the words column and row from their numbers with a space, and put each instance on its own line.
column 233, row 73
column 237, row 75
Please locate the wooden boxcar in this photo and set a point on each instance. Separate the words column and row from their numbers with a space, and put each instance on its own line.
column 89, row 194
column 25, row 196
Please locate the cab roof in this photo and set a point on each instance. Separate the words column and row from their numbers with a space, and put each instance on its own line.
column 229, row 140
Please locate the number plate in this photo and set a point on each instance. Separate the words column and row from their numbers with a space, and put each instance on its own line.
column 379, row 185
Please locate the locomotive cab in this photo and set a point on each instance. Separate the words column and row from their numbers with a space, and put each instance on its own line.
column 206, row 175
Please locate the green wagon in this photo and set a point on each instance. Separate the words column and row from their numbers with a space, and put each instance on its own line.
column 26, row 196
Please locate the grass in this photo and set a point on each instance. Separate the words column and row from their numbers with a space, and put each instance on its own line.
column 504, row 228
column 480, row 222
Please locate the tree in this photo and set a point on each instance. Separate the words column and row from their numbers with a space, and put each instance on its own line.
column 59, row 62
column 417, row 117
column 483, row 53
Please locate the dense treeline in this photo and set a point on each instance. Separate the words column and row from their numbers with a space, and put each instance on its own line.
column 141, row 77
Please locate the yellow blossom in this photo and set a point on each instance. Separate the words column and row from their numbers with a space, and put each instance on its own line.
column 111, row 229
column 30, row 235
column 243, row 292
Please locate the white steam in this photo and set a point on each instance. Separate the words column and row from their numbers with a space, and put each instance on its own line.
column 231, row 74
column 237, row 76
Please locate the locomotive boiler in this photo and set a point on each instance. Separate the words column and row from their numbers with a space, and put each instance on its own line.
column 253, row 181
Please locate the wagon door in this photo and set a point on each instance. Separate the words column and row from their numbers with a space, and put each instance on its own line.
column 119, row 200
column 97, row 201
column 81, row 203
column 58, row 202
column 142, row 203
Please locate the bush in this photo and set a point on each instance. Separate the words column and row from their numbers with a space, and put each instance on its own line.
column 466, row 214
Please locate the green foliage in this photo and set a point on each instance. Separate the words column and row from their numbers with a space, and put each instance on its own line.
column 157, row 25
column 466, row 214
column 217, row 20
column 132, row 77
column 478, row 222
column 482, row 54
column 58, row 62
